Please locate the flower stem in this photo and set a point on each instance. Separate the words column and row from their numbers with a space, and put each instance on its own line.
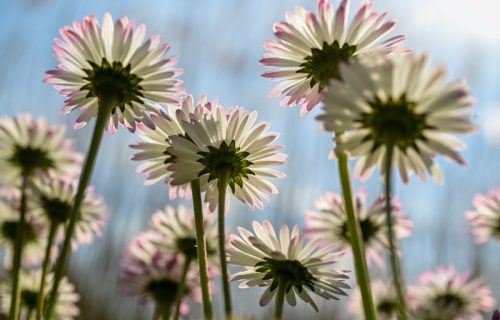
column 45, row 269
column 17, row 256
column 280, row 298
column 201, row 249
column 395, row 266
column 106, row 104
column 222, row 242
column 358, row 251
column 182, row 286
column 162, row 309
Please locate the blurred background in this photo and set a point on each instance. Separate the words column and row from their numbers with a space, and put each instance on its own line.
column 220, row 43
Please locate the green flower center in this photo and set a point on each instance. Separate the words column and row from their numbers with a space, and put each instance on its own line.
column 113, row 80
column 323, row 64
column 227, row 159
column 291, row 271
column 449, row 300
column 31, row 159
column 394, row 122
column 446, row 305
column 8, row 230
column 57, row 210
column 162, row 290
column 368, row 230
column 29, row 299
column 387, row 307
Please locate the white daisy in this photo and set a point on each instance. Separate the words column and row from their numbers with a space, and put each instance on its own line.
column 30, row 147
column 310, row 48
column 156, row 141
column 385, row 300
column 67, row 298
column 113, row 62
column 485, row 219
column 227, row 142
column 328, row 223
column 306, row 268
column 447, row 294
column 400, row 101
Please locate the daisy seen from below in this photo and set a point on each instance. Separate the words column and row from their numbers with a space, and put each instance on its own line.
column 111, row 66
column 287, row 266
column 385, row 300
column 485, row 218
column 328, row 223
column 67, row 298
column 310, row 47
column 448, row 294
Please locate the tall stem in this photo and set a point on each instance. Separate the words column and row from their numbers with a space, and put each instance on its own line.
column 358, row 251
column 201, row 245
column 103, row 114
column 45, row 269
column 162, row 309
column 280, row 298
column 395, row 266
column 222, row 242
column 18, row 253
column 182, row 287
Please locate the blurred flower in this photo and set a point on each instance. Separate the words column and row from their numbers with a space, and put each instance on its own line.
column 114, row 60
column 67, row 298
column 153, row 274
column 155, row 142
column 31, row 146
column 53, row 201
column 268, row 260
column 311, row 47
column 446, row 294
column 329, row 223
column 400, row 101
column 485, row 219
column 227, row 141
column 385, row 300
column 496, row 315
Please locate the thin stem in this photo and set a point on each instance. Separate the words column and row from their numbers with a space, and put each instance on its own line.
column 280, row 299
column 201, row 249
column 45, row 269
column 395, row 266
column 29, row 313
column 17, row 256
column 222, row 242
column 182, row 287
column 162, row 310
column 103, row 114
column 355, row 236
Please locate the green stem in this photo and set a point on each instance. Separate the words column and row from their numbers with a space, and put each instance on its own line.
column 29, row 313
column 358, row 251
column 103, row 115
column 280, row 299
column 201, row 249
column 222, row 242
column 162, row 310
column 182, row 286
column 45, row 269
column 17, row 256
column 395, row 266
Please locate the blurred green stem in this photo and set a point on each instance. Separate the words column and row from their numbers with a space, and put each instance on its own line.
column 182, row 286
column 45, row 268
column 222, row 241
column 280, row 298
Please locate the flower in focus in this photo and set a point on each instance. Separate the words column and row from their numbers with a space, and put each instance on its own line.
column 485, row 219
column 400, row 102
column 385, row 300
column 153, row 148
column 310, row 48
column 328, row 223
column 227, row 142
column 113, row 62
column 268, row 260
column 66, row 302
column 149, row 272
column 54, row 200
column 30, row 147
column 447, row 294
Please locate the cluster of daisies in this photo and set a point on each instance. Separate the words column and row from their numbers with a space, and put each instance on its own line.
column 385, row 106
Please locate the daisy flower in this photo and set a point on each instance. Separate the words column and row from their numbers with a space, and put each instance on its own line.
column 447, row 294
column 402, row 102
column 53, row 201
column 67, row 298
column 485, row 219
column 385, row 300
column 153, row 148
column 113, row 62
column 269, row 261
column 310, row 48
column 328, row 223
column 227, row 142
column 30, row 147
